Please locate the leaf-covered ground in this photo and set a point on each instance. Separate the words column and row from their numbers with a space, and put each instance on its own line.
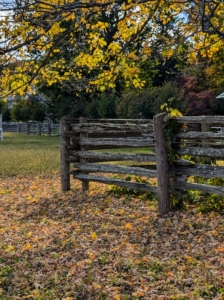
column 97, row 246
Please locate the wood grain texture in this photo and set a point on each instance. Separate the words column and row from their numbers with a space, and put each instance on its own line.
column 203, row 170
column 109, row 168
column 200, row 135
column 196, row 151
column 102, row 156
column 83, row 161
column 201, row 119
column 211, row 189
column 163, row 181
column 119, row 142
column 64, row 156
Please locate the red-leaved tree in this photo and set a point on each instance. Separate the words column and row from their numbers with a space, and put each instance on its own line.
column 199, row 101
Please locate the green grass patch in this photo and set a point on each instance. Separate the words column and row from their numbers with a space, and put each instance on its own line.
column 26, row 155
column 130, row 150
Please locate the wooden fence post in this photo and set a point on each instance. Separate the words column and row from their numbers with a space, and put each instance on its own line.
column 65, row 165
column 85, row 184
column 38, row 129
column 205, row 143
column 48, row 129
column 27, row 128
column 163, row 180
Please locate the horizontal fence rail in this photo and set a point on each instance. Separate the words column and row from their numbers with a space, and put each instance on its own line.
column 196, row 141
column 33, row 128
column 80, row 137
column 200, row 140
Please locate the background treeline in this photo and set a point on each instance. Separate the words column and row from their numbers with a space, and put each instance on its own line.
column 192, row 89
column 190, row 86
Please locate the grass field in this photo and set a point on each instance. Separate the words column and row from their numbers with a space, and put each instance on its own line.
column 29, row 155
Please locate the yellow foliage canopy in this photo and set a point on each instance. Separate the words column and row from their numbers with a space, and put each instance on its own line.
column 100, row 35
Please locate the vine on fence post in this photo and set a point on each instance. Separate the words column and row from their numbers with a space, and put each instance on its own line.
column 170, row 129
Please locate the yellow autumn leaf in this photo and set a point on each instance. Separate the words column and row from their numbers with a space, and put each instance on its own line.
column 4, row 192
column 147, row 51
column 128, row 226
column 91, row 255
column 170, row 274
column 96, row 286
column 180, row 49
column 10, row 248
column 175, row 112
column 117, row 297
column 189, row 258
column 27, row 247
column 214, row 232
column 133, row 56
column 169, row 52
column 219, row 249
column 93, row 236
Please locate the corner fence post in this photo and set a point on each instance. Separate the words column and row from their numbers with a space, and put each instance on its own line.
column 163, row 180
column 64, row 155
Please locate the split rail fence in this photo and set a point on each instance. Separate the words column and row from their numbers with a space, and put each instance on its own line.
column 194, row 137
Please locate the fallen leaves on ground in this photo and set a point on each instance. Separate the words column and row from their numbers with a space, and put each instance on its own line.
column 94, row 245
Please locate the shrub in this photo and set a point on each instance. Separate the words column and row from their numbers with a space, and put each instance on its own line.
column 103, row 106
column 6, row 115
column 168, row 91
column 136, row 105
column 21, row 111
column 146, row 103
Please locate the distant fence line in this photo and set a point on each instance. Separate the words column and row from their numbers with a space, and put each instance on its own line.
column 33, row 128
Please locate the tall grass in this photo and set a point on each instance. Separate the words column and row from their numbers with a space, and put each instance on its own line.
column 25, row 155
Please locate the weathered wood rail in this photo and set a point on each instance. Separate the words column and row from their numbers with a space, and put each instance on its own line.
column 194, row 136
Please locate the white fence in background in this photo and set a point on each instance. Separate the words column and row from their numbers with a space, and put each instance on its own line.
column 33, row 128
